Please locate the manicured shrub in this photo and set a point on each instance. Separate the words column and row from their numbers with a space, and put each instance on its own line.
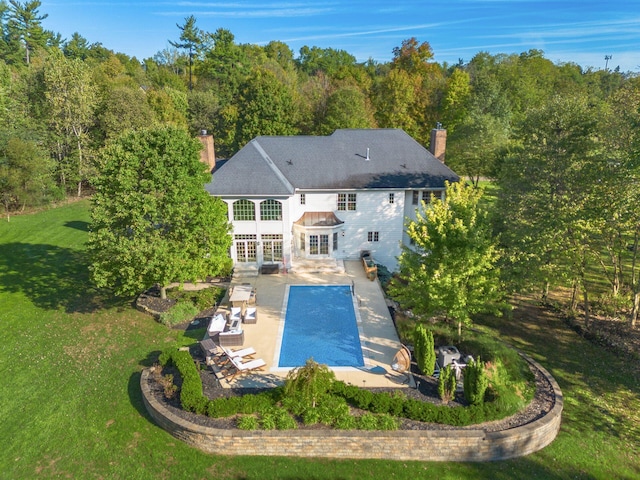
column 362, row 398
column 447, row 383
column 387, row 422
column 331, row 408
column 423, row 350
column 367, row 421
column 166, row 357
column 380, row 403
column 475, row 382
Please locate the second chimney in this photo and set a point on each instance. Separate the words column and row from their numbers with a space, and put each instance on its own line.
column 208, row 153
column 438, row 143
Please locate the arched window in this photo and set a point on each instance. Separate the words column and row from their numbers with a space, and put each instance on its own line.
column 270, row 210
column 244, row 210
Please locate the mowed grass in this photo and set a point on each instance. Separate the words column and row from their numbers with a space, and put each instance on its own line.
column 70, row 404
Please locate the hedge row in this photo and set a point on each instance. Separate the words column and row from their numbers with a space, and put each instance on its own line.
column 400, row 406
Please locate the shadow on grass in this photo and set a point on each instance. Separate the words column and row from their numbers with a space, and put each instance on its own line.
column 584, row 371
column 78, row 225
column 52, row 278
column 135, row 396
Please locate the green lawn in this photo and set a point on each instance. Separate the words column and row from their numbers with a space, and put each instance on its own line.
column 70, row 405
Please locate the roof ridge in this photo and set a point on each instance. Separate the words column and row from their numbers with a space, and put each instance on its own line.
column 276, row 170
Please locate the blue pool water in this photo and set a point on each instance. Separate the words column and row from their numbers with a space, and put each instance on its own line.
column 320, row 322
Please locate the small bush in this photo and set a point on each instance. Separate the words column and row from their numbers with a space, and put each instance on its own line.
column 247, row 422
column 367, row 421
column 268, row 421
column 284, row 421
column 447, row 383
column 330, row 408
column 181, row 312
column 168, row 386
column 346, row 422
column 380, row 403
column 475, row 382
column 387, row 422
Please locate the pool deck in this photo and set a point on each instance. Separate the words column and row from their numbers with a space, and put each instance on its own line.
column 378, row 336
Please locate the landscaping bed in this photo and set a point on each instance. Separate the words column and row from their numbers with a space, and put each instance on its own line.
column 542, row 402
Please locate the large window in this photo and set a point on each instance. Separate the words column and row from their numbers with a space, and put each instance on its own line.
column 244, row 210
column 346, row 201
column 270, row 210
column 245, row 248
column 272, row 247
column 335, row 241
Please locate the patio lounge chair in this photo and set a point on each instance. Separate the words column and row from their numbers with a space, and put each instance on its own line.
column 250, row 315
column 402, row 362
column 242, row 368
column 247, row 352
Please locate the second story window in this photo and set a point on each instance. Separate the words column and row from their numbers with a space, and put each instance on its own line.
column 244, row 210
column 346, row 201
column 303, row 199
column 270, row 210
column 392, row 198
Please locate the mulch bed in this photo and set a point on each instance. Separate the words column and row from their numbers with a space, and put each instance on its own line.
column 427, row 391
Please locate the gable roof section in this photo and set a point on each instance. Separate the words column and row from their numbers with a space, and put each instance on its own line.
column 275, row 166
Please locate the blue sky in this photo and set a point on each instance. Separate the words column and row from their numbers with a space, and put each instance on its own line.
column 583, row 32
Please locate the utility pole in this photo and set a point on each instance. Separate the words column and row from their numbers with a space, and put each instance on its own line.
column 606, row 61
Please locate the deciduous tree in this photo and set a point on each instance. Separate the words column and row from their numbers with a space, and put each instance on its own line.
column 450, row 268
column 152, row 222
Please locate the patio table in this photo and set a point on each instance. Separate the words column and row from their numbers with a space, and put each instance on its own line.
column 241, row 295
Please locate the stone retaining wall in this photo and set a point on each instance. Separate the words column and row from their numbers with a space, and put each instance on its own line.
column 460, row 445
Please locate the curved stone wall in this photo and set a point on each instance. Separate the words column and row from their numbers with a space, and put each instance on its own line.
column 459, row 445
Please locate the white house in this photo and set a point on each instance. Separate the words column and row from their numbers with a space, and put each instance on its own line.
column 327, row 197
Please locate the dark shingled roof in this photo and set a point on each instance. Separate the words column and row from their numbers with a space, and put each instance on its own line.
column 277, row 166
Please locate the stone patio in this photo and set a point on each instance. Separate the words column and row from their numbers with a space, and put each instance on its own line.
column 378, row 336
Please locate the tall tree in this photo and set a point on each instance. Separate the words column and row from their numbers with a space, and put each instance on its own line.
column 25, row 175
column 71, row 98
column 152, row 222
column 266, row 106
column 450, row 268
column 545, row 196
column 190, row 39
column 25, row 24
column 346, row 108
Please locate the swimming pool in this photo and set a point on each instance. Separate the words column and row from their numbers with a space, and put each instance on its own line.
column 320, row 322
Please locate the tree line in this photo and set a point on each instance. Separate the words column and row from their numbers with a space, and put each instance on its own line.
column 561, row 141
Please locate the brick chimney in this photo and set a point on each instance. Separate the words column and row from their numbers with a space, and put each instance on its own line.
column 438, row 143
column 208, row 153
